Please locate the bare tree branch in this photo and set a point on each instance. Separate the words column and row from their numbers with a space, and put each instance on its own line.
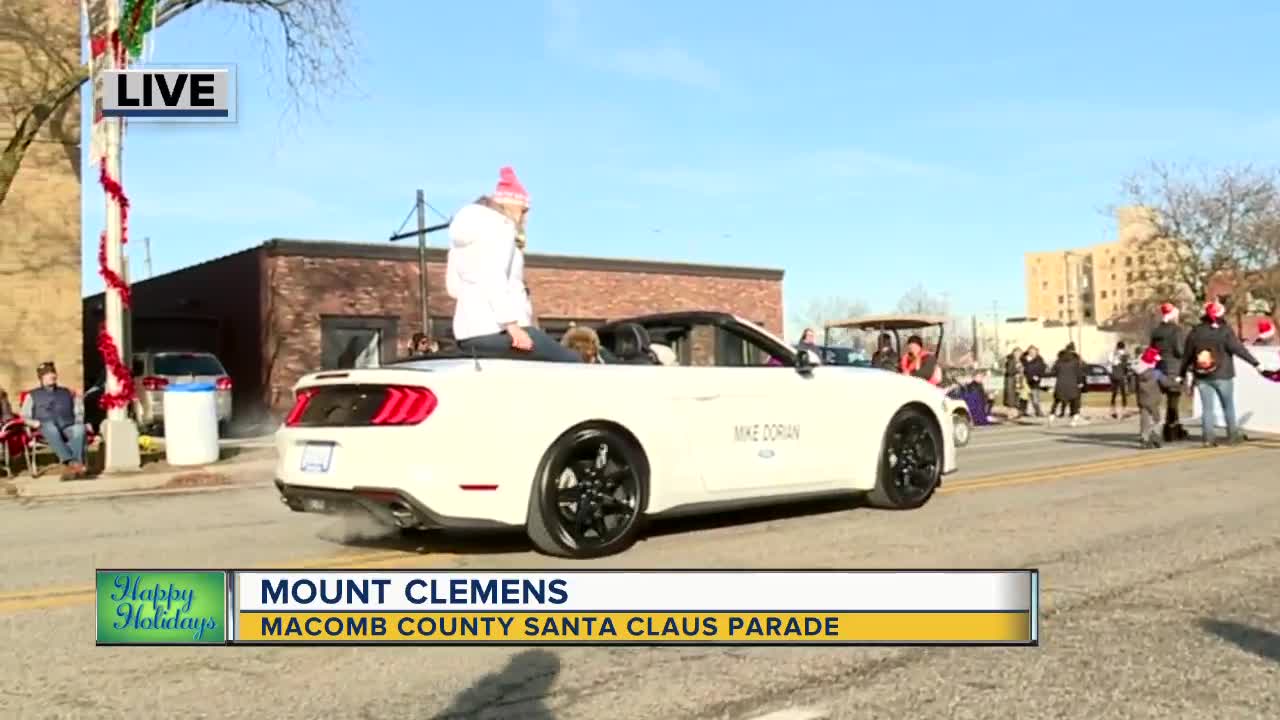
column 918, row 301
column 41, row 72
column 823, row 310
column 1203, row 227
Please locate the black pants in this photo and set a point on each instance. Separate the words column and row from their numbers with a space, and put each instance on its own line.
column 1172, row 418
column 545, row 347
column 1121, row 388
column 1060, row 407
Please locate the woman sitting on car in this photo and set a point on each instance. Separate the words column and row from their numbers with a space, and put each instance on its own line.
column 920, row 362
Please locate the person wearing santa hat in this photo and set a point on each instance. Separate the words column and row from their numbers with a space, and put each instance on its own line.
column 1266, row 332
column 485, row 276
column 1152, row 386
column 1167, row 339
column 1209, row 354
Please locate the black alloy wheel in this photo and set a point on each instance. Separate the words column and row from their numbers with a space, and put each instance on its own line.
column 589, row 495
column 910, row 463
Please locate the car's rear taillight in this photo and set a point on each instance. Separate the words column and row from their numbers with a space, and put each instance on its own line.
column 299, row 406
column 154, row 383
column 223, row 383
column 405, row 406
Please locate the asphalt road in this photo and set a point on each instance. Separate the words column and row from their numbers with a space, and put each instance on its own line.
column 1161, row 600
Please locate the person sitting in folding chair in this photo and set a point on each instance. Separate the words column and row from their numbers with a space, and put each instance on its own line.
column 57, row 414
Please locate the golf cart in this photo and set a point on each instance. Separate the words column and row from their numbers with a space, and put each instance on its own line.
column 898, row 328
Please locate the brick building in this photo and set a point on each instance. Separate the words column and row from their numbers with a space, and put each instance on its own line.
column 40, row 218
column 289, row 307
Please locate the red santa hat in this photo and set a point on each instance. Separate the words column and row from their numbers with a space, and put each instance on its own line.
column 1149, row 359
column 1214, row 310
column 1168, row 312
column 509, row 189
column 1266, row 329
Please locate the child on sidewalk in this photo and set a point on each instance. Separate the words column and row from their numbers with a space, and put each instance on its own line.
column 1152, row 386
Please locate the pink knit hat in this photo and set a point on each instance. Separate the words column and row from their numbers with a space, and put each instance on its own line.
column 509, row 189
column 1214, row 310
column 1168, row 312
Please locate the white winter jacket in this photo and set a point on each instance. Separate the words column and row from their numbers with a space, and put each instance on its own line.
column 484, row 269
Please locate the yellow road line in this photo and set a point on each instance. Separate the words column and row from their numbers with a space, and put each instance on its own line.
column 38, row 598
column 56, row 597
column 1094, row 468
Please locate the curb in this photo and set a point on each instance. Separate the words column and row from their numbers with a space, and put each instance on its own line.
column 142, row 484
column 25, row 500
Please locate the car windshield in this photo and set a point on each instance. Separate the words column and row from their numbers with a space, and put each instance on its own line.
column 187, row 364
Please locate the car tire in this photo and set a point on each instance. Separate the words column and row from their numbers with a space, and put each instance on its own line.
column 915, row 427
column 548, row 526
column 962, row 428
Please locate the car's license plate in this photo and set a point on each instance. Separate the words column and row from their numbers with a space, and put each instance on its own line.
column 317, row 457
column 314, row 505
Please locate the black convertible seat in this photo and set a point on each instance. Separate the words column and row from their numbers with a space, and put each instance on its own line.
column 631, row 345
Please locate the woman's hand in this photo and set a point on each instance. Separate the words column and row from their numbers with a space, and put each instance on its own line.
column 520, row 339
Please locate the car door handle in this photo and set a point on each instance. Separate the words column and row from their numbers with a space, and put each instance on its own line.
column 703, row 398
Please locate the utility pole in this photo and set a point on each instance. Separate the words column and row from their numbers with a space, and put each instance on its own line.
column 422, row 262
column 146, row 246
column 120, row 434
column 973, row 329
column 995, row 326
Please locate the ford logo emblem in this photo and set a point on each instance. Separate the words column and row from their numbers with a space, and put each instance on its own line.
column 766, row 453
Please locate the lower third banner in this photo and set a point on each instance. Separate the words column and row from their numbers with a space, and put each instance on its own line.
column 613, row 607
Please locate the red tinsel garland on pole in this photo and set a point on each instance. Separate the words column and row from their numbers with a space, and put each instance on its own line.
column 107, row 345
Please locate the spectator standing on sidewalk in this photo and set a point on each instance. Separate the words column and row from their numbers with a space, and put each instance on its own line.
column 1070, row 374
column 1034, row 369
column 1120, row 374
column 1014, row 381
column 809, row 341
column 1209, row 355
column 1167, row 339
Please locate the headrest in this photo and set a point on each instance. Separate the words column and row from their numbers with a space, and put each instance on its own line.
column 664, row 354
column 630, row 340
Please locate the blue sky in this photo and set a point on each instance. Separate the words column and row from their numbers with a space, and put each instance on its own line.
column 862, row 147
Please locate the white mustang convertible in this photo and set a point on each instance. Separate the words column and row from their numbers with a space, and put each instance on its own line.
column 693, row 412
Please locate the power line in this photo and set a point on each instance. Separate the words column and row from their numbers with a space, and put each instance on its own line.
column 412, row 210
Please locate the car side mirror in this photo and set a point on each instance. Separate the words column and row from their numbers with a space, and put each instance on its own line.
column 805, row 362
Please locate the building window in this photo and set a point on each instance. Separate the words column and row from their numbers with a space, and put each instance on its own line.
column 1129, row 292
column 1128, row 262
column 1060, row 314
column 1044, row 285
column 1113, row 277
column 1061, row 299
column 1088, row 314
column 348, row 342
column 442, row 327
column 1104, row 294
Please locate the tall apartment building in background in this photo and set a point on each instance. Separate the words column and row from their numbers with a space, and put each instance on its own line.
column 40, row 246
column 1100, row 284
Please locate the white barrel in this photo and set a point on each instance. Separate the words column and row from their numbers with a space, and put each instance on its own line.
column 190, row 424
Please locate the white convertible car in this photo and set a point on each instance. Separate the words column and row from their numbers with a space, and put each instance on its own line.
column 692, row 412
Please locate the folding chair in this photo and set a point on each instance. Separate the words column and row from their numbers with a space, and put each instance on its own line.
column 35, row 444
column 14, row 439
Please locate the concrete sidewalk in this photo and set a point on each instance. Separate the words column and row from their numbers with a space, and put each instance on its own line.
column 228, row 473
